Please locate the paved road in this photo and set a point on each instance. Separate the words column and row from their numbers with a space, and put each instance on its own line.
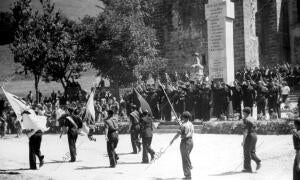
column 213, row 157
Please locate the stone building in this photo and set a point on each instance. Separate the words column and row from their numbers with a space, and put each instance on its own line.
column 266, row 32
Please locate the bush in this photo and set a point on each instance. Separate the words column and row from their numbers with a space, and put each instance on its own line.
column 236, row 127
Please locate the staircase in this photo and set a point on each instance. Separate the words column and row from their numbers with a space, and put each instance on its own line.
column 172, row 127
column 295, row 94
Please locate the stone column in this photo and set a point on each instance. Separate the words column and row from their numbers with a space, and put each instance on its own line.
column 219, row 15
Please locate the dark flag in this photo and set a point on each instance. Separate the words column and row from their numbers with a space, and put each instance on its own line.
column 140, row 102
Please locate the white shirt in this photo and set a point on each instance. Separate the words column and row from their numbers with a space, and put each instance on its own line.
column 285, row 90
column 187, row 130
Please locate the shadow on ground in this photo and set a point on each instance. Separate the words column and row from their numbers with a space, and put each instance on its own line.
column 228, row 173
column 89, row 168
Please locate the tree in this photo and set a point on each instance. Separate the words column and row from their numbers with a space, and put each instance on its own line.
column 124, row 39
column 30, row 42
column 47, row 43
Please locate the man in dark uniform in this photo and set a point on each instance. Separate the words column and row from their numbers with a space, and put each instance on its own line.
column 111, row 137
column 205, row 102
column 249, row 141
column 146, row 132
column 273, row 97
column 35, row 139
column 248, row 95
column 261, row 98
column 73, row 123
column 186, row 145
column 296, row 140
column 236, row 97
column 134, row 128
column 217, row 92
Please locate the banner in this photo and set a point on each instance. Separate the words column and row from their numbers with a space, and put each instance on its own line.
column 27, row 117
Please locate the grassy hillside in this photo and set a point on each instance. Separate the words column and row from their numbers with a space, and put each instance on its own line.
column 73, row 9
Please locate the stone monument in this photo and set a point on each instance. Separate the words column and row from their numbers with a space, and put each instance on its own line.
column 219, row 15
column 197, row 70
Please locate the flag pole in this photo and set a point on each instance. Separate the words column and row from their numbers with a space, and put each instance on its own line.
column 177, row 120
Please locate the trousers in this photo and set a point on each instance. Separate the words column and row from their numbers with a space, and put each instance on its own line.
column 111, row 145
column 72, row 138
column 250, row 151
column 186, row 146
column 34, row 149
column 147, row 148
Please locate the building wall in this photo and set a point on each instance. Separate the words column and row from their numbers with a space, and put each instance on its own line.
column 182, row 32
column 261, row 32
column 294, row 25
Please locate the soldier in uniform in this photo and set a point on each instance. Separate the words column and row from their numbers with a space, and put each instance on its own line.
column 147, row 133
column 237, row 95
column 35, row 139
column 217, row 92
column 205, row 102
column 261, row 98
column 273, row 97
column 186, row 132
column 112, row 138
column 72, row 123
column 248, row 95
column 249, row 141
column 296, row 140
column 134, row 128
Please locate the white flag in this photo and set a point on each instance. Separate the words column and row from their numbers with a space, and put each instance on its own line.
column 89, row 115
column 27, row 117
column 17, row 104
column 90, row 109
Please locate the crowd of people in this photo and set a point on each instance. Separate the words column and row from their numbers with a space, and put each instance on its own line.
column 265, row 87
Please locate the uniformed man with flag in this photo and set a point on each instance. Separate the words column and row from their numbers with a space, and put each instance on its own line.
column 73, row 123
column 32, row 124
column 186, row 132
column 111, row 137
column 134, row 128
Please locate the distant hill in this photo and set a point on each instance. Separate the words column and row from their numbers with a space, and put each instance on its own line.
column 73, row 9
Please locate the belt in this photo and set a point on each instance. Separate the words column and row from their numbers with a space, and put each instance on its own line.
column 185, row 139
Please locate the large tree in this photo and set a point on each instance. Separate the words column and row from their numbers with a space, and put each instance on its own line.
column 47, row 43
column 124, row 39
column 30, row 42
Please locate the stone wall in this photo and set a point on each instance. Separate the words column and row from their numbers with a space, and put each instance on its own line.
column 261, row 32
column 273, row 31
column 182, row 31
column 294, row 25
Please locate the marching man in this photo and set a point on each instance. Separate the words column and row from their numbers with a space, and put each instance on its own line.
column 249, row 141
column 186, row 132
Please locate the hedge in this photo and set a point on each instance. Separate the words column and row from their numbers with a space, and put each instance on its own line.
column 236, row 127
column 278, row 127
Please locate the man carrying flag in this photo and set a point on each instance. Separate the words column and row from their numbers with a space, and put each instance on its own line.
column 33, row 125
column 73, row 123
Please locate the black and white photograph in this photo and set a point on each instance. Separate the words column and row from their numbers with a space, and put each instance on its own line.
column 149, row 89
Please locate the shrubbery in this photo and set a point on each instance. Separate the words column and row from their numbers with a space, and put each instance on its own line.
column 236, row 127
column 277, row 127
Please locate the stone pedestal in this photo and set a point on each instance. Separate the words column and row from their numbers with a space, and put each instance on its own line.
column 219, row 15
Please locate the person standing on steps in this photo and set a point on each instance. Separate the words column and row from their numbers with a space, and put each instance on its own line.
column 249, row 141
column 186, row 132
